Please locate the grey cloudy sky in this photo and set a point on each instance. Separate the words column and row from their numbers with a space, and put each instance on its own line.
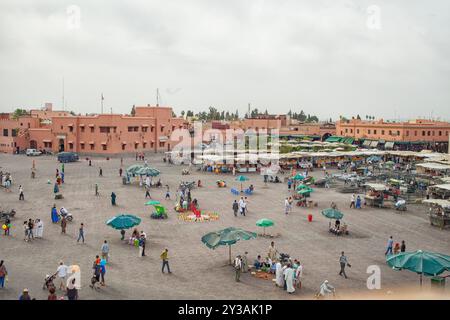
column 328, row 57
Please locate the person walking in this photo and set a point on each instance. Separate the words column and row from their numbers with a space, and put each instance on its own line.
column 403, row 246
column 3, row 274
column 81, row 233
column 8, row 226
column 96, row 190
column 389, row 246
column 25, row 230
column 165, row 260
column 343, row 262
column 167, row 192
column 235, row 207
column 286, row 206
column 142, row 240
column 61, row 272
column 30, row 229
column 21, row 196
column 100, row 172
column 113, row 198
column 63, row 225
column 105, row 251
column 352, row 201
column 120, row 172
column 25, row 295
column 147, row 192
column 39, row 228
column 238, row 268
column 72, row 291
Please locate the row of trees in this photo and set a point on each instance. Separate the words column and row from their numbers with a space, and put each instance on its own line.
column 302, row 116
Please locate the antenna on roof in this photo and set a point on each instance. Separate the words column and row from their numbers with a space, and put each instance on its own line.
column 157, row 97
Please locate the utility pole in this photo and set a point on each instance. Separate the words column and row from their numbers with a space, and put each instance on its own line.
column 157, row 97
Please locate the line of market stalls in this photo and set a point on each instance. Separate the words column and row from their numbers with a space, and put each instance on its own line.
column 332, row 158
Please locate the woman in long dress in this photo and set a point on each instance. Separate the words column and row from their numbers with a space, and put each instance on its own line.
column 39, row 228
column 279, row 275
column 289, row 278
column 54, row 215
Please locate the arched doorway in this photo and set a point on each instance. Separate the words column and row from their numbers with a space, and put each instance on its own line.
column 33, row 144
column 61, row 145
column 326, row 136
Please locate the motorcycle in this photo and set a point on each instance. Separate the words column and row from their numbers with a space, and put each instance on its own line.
column 400, row 205
column 7, row 215
column 63, row 213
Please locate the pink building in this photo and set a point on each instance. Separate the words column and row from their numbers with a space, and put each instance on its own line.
column 149, row 129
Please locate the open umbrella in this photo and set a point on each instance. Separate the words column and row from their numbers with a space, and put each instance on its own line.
column 242, row 179
column 298, row 177
column 148, row 171
column 226, row 237
column 422, row 262
column 134, row 168
column 152, row 203
column 264, row 223
column 123, row 221
column 331, row 213
column 303, row 186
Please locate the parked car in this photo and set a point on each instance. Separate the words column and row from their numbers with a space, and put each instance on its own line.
column 33, row 152
column 67, row 157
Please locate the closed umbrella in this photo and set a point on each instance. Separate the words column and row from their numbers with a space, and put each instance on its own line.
column 264, row 223
column 228, row 237
column 422, row 262
column 331, row 213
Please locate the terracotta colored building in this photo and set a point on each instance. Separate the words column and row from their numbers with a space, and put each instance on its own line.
column 422, row 133
column 149, row 129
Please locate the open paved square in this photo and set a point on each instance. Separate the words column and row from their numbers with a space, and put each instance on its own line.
column 198, row 272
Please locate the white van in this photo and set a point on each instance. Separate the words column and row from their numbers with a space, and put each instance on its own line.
column 33, row 152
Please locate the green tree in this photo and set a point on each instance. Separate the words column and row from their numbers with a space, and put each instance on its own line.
column 19, row 113
column 133, row 111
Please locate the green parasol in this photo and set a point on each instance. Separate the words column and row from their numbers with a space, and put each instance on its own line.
column 422, row 262
column 264, row 223
column 152, row 203
column 226, row 237
column 123, row 221
column 331, row 213
column 242, row 179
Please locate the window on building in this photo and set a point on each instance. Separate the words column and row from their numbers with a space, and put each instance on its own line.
column 105, row 129
column 382, row 131
column 70, row 145
column 162, row 128
column 136, row 145
column 47, row 144
column 92, row 129
column 105, row 147
column 429, row 133
column 432, row 132
column 440, row 133
column 5, row 132
column 14, row 132
column 123, row 146
column 70, row 128
column 446, row 133
column 357, row 130
column 374, row 131
column 390, row 132
column 151, row 129
column 29, row 125
column 82, row 129
column 144, row 145
column 368, row 131
column 423, row 133
column 161, row 144
column 144, row 129
column 152, row 145
column 92, row 147
column 62, row 127
column 415, row 133
column 398, row 132
column 21, row 124
column 407, row 133
column 82, row 146
column 351, row 130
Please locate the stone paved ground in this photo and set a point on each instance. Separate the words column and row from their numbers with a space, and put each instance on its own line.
column 198, row 272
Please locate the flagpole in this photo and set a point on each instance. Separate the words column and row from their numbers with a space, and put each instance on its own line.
column 102, row 104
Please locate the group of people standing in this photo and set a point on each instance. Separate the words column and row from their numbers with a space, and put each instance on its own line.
column 6, row 180
column 33, row 229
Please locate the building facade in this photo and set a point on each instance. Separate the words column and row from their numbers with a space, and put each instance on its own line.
column 420, row 133
column 150, row 129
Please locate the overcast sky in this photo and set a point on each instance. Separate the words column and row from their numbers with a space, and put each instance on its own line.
column 328, row 57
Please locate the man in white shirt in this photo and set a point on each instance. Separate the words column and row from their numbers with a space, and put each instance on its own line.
column 352, row 201
column 62, row 274
column 242, row 206
column 286, row 206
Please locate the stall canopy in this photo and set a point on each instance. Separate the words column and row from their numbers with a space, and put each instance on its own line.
column 389, row 145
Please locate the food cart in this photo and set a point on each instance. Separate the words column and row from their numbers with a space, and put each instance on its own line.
column 375, row 194
column 439, row 212
column 441, row 191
